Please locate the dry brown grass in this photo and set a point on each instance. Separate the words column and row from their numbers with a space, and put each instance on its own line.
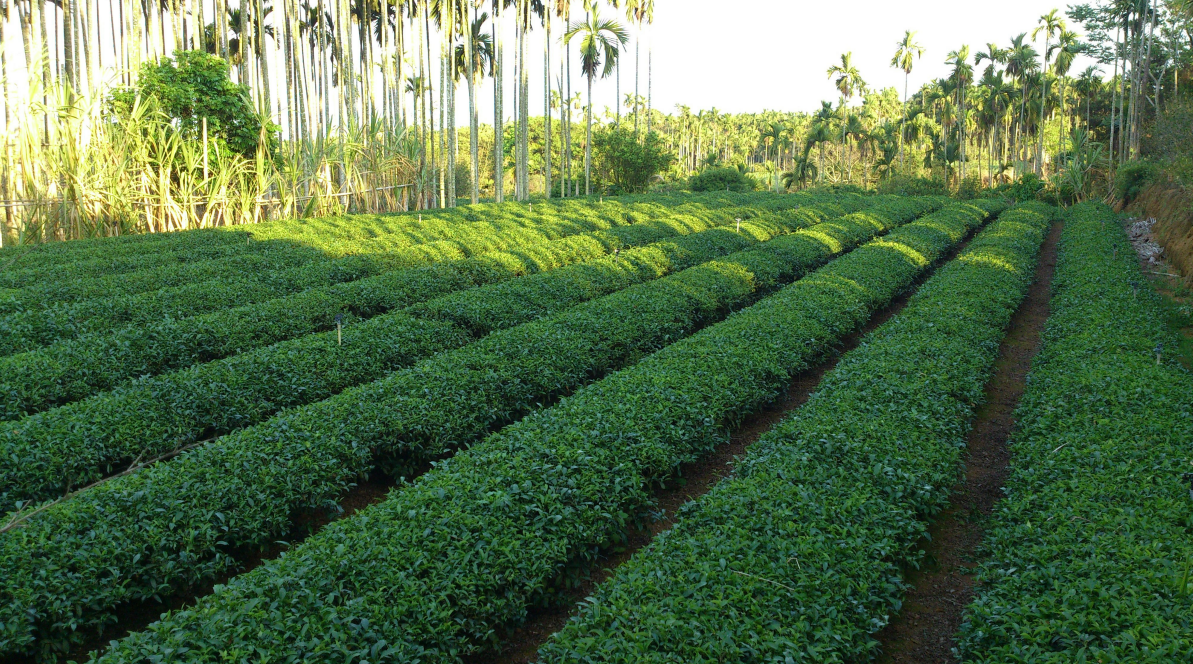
column 1172, row 207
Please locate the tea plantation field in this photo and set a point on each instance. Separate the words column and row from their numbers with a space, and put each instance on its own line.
column 400, row 438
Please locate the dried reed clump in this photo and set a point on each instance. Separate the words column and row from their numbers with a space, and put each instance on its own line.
column 1172, row 206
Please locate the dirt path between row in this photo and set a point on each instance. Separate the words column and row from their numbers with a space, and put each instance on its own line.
column 925, row 631
column 693, row 481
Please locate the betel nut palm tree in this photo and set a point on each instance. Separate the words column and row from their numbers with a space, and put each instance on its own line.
column 600, row 43
column 906, row 53
column 849, row 81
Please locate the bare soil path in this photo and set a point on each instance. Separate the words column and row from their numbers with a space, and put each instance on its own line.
column 924, row 632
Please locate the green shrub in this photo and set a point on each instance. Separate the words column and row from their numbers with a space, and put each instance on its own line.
column 721, row 179
column 193, row 85
column 1089, row 554
column 449, row 400
column 628, row 165
column 1133, row 177
column 902, row 185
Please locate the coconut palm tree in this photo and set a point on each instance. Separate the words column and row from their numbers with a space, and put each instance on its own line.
column 907, row 51
column 600, row 42
column 1067, row 47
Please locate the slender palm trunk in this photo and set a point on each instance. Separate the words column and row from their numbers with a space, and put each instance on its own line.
column 903, row 120
column 637, row 51
column 588, row 144
column 547, row 101
column 498, row 117
column 68, row 44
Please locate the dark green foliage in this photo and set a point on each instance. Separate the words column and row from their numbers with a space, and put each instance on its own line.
column 1028, row 187
column 797, row 557
column 193, row 85
column 307, row 456
column 1090, row 555
column 474, row 543
column 82, row 442
column 627, row 163
column 1133, row 177
column 903, row 185
column 76, row 368
column 721, row 179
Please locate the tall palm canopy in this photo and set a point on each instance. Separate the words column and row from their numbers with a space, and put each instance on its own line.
column 907, row 51
column 600, row 44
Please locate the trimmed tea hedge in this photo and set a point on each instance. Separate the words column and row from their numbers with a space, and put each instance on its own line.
column 74, row 445
column 141, row 535
column 433, row 570
column 75, row 369
column 41, row 326
column 1090, row 555
column 341, row 236
column 387, row 251
column 797, row 557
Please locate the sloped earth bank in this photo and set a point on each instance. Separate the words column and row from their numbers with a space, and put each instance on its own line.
column 1176, row 296
column 924, row 632
column 693, row 481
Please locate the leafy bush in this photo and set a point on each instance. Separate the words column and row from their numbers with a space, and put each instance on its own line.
column 193, row 85
column 970, row 188
column 903, row 185
column 721, row 179
column 76, row 368
column 1133, row 177
column 1027, row 188
column 628, row 165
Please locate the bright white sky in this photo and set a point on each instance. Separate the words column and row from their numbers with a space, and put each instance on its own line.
column 750, row 55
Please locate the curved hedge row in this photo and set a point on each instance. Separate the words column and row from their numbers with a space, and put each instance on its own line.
column 1090, row 555
column 74, row 445
column 50, row 292
column 388, row 251
column 468, row 547
column 355, row 234
column 140, row 535
column 42, row 326
column 797, row 556
column 75, row 369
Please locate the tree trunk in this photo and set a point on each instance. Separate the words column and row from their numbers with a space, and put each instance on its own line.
column 473, row 119
column 637, row 49
column 649, row 84
column 588, row 144
column 547, row 101
column 68, row 44
column 498, row 117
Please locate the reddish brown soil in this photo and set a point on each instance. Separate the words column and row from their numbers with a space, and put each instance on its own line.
column 924, row 632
